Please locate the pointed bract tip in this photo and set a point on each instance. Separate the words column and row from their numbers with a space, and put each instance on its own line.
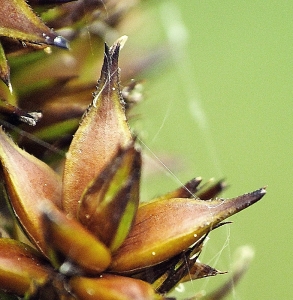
column 6, row 79
column 10, row 88
column 119, row 44
column 121, row 41
column 241, row 202
column 259, row 193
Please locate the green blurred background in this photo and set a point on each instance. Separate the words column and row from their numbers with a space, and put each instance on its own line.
column 221, row 106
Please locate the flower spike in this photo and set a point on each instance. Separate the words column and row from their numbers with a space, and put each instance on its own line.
column 92, row 239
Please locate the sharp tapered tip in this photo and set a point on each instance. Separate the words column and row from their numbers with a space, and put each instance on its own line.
column 121, row 41
column 243, row 201
column 261, row 192
column 10, row 87
column 5, row 77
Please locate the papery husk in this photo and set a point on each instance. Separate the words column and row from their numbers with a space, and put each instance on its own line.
column 108, row 206
column 102, row 132
column 21, row 267
column 165, row 228
column 78, row 246
column 112, row 287
column 29, row 182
